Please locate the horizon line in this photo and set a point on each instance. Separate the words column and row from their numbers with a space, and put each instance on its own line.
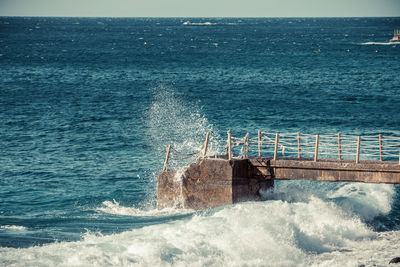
column 186, row 17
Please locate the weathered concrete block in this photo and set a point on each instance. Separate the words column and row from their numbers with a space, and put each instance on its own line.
column 212, row 182
column 168, row 190
column 207, row 184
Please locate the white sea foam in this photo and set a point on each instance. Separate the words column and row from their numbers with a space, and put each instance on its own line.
column 199, row 23
column 369, row 252
column 365, row 200
column 13, row 227
column 270, row 233
column 378, row 43
column 113, row 207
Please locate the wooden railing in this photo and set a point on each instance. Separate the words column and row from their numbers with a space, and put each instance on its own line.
column 300, row 146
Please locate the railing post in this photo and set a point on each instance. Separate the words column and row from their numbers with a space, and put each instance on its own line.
column 380, row 147
column 259, row 144
column 276, row 146
column 339, row 147
column 206, row 144
column 246, row 140
column 298, row 146
column 358, row 149
column 229, row 145
column 316, row 147
column 166, row 158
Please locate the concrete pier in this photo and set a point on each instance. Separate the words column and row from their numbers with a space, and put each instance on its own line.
column 212, row 182
column 217, row 182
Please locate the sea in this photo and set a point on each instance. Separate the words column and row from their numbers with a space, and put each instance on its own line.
column 88, row 107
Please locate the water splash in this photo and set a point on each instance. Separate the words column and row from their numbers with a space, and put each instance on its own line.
column 172, row 120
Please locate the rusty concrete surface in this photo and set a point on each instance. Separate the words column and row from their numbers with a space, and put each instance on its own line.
column 211, row 183
column 168, row 190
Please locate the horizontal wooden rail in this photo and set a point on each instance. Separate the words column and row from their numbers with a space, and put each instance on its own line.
column 301, row 146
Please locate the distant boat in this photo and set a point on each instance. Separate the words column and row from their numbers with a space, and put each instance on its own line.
column 396, row 37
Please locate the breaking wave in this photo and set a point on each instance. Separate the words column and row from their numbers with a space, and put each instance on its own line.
column 365, row 201
column 378, row 43
column 269, row 233
column 301, row 223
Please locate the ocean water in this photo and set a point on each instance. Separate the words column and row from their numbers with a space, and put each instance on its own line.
column 89, row 105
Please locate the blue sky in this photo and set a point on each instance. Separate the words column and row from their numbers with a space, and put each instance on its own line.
column 201, row 8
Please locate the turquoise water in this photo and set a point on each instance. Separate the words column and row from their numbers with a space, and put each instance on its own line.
column 89, row 105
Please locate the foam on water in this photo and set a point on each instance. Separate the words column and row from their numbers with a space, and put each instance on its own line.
column 365, row 201
column 377, row 251
column 378, row 43
column 207, row 23
column 13, row 227
column 274, row 232
column 115, row 208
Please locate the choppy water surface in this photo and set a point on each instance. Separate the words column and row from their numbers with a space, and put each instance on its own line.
column 88, row 106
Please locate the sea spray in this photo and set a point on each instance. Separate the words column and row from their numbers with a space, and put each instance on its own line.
column 178, row 179
column 172, row 121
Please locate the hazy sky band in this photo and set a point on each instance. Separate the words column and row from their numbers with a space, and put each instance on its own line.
column 201, row 8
